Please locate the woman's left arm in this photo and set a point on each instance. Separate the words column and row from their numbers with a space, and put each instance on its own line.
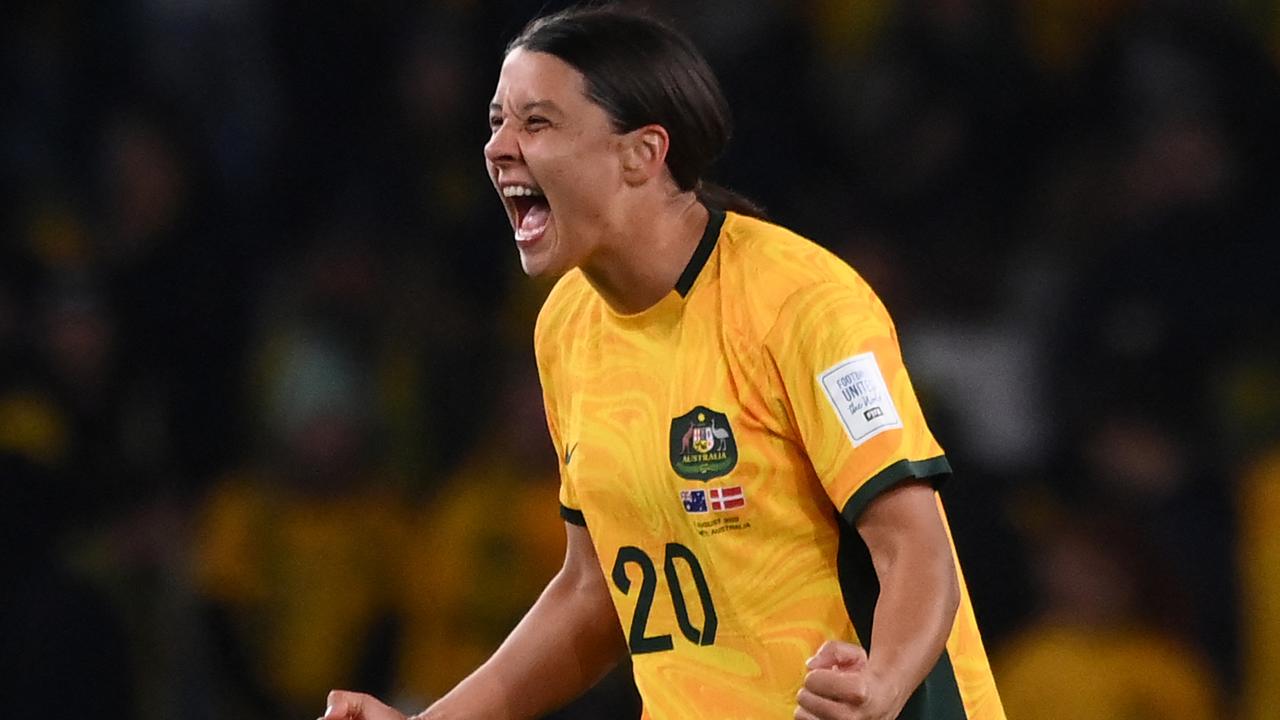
column 919, row 595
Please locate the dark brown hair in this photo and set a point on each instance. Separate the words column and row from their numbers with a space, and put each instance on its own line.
column 642, row 72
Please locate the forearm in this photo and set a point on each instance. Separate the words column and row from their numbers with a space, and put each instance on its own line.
column 919, row 595
column 919, row 589
column 567, row 641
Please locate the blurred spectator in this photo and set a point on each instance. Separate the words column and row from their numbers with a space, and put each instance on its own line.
column 1259, row 562
column 1136, row 463
column 487, row 542
column 299, row 552
column 299, row 583
column 1099, row 649
column 179, row 288
column 932, row 139
column 485, row 546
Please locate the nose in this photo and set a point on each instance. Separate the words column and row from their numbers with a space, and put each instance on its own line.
column 502, row 148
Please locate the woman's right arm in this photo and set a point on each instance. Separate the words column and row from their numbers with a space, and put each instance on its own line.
column 566, row 643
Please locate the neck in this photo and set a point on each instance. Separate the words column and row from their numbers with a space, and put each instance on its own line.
column 642, row 261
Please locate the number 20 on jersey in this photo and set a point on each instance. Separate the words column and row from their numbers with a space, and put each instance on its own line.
column 676, row 553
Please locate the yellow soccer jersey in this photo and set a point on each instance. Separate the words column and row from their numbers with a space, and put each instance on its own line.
column 710, row 445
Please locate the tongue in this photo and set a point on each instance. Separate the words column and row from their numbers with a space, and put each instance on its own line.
column 535, row 218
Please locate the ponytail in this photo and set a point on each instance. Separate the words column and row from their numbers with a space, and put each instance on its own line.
column 713, row 195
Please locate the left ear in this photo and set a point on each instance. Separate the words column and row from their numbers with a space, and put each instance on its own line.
column 644, row 154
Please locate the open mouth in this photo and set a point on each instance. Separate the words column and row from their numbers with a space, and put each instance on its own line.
column 532, row 210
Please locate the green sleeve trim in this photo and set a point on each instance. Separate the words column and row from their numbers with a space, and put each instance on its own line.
column 936, row 468
column 574, row 516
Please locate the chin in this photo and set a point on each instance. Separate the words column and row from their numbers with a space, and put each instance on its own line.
column 532, row 267
column 545, row 259
column 539, row 264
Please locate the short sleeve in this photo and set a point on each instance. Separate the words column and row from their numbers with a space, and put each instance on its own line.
column 570, row 509
column 836, row 356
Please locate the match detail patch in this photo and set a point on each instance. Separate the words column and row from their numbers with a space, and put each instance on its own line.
column 857, row 390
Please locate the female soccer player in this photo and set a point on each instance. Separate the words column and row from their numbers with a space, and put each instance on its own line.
column 748, row 483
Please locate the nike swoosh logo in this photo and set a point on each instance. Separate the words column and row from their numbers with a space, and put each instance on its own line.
column 568, row 454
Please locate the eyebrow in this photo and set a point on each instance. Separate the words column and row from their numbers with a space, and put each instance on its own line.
column 544, row 105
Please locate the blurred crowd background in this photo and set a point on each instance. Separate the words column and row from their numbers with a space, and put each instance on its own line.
column 269, row 420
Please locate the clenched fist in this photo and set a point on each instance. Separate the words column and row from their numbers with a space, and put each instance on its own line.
column 841, row 686
column 346, row 705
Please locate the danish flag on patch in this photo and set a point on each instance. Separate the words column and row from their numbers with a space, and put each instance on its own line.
column 727, row 498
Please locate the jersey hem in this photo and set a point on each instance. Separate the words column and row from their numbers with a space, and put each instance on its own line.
column 936, row 468
column 573, row 516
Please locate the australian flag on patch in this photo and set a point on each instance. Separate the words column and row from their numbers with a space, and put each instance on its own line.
column 694, row 501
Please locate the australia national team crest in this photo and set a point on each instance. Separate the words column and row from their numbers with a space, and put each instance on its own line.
column 702, row 445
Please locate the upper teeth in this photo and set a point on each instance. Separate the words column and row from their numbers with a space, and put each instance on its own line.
column 518, row 190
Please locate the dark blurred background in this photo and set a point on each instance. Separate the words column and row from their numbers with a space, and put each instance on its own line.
column 269, row 422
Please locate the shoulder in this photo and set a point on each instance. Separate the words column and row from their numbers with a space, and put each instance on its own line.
column 777, row 272
column 562, row 311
